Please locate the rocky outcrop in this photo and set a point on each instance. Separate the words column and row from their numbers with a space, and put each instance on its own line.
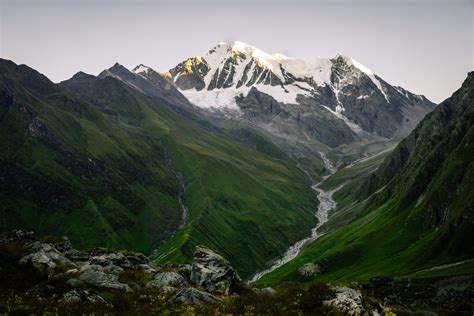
column 347, row 302
column 96, row 276
column 45, row 257
column 309, row 269
column 213, row 273
column 81, row 273
column 168, row 279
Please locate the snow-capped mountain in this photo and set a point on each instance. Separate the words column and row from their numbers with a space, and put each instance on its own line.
column 305, row 106
column 227, row 78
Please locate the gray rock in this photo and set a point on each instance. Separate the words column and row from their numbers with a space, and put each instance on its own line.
column 213, row 273
column 75, row 283
column 41, row 250
column 72, row 297
column 113, row 269
column 309, row 269
column 38, row 260
column 76, row 255
column 348, row 301
column 45, row 258
column 263, row 291
column 167, row 279
column 191, row 296
column 93, row 276
column 95, row 299
column 185, row 270
column 132, row 260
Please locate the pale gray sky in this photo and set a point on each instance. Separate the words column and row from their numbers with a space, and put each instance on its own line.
column 423, row 46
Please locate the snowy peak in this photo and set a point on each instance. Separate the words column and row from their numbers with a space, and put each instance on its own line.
column 141, row 69
column 239, row 64
column 231, row 74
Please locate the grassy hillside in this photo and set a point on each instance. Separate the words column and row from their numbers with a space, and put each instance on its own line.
column 411, row 216
column 104, row 161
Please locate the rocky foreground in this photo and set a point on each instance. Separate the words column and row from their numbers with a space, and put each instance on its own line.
column 51, row 276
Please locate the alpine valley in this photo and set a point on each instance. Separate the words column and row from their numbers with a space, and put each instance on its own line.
column 323, row 187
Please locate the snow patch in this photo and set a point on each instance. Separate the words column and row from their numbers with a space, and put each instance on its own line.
column 225, row 98
column 141, row 69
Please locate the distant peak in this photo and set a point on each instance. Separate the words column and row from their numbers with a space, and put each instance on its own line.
column 82, row 76
column 141, row 69
column 118, row 66
column 352, row 62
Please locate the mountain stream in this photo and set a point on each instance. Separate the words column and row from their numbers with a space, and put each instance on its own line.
column 326, row 203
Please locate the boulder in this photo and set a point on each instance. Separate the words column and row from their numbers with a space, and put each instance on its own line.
column 167, row 279
column 213, row 273
column 76, row 255
column 39, row 261
column 347, row 302
column 44, row 257
column 190, row 296
column 95, row 276
column 263, row 291
column 309, row 269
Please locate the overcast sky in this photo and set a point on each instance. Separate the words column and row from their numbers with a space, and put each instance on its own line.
column 423, row 46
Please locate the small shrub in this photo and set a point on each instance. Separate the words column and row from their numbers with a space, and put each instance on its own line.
column 50, row 239
column 137, row 276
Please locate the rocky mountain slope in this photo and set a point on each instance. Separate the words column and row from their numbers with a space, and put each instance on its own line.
column 411, row 214
column 117, row 168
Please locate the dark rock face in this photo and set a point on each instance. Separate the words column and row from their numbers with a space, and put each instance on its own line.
column 305, row 121
column 192, row 71
column 213, row 273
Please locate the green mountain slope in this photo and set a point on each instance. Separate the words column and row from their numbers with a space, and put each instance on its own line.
column 414, row 212
column 98, row 161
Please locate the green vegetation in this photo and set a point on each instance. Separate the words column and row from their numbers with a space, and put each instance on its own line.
column 414, row 212
column 101, row 159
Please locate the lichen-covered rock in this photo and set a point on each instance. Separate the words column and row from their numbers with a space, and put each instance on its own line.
column 348, row 301
column 167, row 279
column 263, row 291
column 44, row 257
column 185, row 270
column 190, row 296
column 38, row 260
column 213, row 273
column 309, row 269
column 95, row 276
